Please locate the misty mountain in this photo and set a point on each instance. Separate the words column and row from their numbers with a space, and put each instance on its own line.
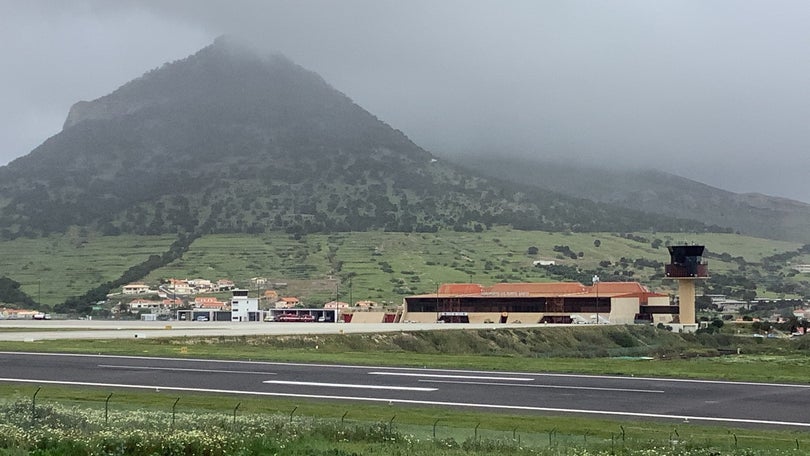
column 228, row 140
column 659, row 193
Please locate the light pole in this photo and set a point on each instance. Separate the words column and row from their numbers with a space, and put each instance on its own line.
column 437, row 303
column 596, row 285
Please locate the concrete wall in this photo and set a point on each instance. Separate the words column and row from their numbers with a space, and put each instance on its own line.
column 368, row 317
column 623, row 310
column 420, row 317
column 662, row 318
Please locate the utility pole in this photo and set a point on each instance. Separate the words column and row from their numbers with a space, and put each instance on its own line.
column 596, row 285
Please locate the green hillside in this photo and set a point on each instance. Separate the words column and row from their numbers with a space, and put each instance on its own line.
column 52, row 269
column 384, row 266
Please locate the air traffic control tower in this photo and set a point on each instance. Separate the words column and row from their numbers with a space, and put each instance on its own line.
column 686, row 266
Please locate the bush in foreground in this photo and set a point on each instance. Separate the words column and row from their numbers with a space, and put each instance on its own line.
column 57, row 430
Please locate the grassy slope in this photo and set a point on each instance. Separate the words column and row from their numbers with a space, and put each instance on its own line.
column 68, row 265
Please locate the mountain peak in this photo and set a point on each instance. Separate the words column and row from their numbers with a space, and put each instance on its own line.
column 228, row 61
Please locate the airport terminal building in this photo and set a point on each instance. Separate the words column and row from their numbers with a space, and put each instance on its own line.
column 555, row 302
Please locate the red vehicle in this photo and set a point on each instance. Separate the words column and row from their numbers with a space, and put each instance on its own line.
column 295, row 318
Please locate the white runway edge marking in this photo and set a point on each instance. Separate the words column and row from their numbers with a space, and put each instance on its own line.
column 460, row 377
column 519, row 385
column 349, row 385
column 184, row 369
column 414, row 402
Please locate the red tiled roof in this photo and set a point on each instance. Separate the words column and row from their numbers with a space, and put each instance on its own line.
column 546, row 289
column 553, row 288
column 460, row 288
column 619, row 288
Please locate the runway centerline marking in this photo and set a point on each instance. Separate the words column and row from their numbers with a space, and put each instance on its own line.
column 518, row 385
column 183, row 369
column 349, row 385
column 460, row 377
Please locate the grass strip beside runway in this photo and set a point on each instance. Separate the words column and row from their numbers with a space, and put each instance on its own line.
column 227, row 424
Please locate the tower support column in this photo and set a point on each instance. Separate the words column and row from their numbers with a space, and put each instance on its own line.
column 686, row 301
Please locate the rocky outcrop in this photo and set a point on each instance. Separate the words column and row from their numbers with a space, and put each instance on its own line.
column 103, row 108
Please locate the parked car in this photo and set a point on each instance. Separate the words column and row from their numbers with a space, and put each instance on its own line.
column 202, row 318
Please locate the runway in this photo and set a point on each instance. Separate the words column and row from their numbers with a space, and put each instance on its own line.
column 731, row 403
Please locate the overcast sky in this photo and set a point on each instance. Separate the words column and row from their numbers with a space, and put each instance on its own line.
column 713, row 90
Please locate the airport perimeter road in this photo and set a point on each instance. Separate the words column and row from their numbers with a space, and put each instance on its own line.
column 32, row 330
column 733, row 403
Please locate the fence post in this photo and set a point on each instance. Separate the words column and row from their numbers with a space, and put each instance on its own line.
column 234, row 412
column 343, row 418
column 391, row 424
column 434, row 427
column 107, row 409
column 476, row 431
column 174, row 408
column 34, row 404
column 291, row 413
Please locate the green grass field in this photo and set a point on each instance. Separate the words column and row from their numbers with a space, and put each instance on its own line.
column 335, row 427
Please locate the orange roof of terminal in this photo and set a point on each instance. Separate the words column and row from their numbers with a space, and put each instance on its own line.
column 545, row 289
column 460, row 288
column 619, row 287
column 555, row 288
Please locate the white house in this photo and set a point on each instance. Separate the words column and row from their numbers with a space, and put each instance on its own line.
column 224, row 285
column 201, row 284
column 140, row 304
column 136, row 288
